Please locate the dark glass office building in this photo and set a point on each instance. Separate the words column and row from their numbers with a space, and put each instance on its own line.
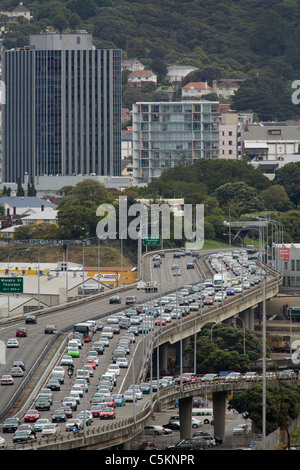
column 63, row 108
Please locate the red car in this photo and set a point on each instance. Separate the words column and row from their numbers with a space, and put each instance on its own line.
column 162, row 321
column 96, row 409
column 91, row 363
column 31, row 416
column 188, row 377
column 21, row 332
column 107, row 413
column 110, row 401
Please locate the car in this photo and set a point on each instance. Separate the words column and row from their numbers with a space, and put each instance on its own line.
column 87, row 415
column 7, row 380
column 31, row 416
column 98, row 347
column 16, row 372
column 42, row 404
column 31, row 319
column 53, row 384
column 122, row 362
column 73, row 422
column 71, row 402
column 141, row 285
column 107, row 413
column 21, row 332
column 198, row 402
column 130, row 300
column 241, row 429
column 147, row 446
column 110, row 401
column 154, row 430
column 10, row 425
column 2, row 443
column 59, row 416
column 40, row 423
column 73, row 352
column 50, row 329
column 128, row 396
column 190, row 266
column 51, row 429
column 96, row 408
column 195, row 443
column 145, row 387
column 23, row 436
column 115, row 299
column 19, row 364
column 119, row 399
column 12, row 343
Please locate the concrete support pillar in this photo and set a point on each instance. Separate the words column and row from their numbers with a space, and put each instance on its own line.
column 219, row 410
column 163, row 357
column 185, row 416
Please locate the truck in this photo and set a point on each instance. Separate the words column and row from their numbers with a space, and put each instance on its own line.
column 220, row 280
column 151, row 286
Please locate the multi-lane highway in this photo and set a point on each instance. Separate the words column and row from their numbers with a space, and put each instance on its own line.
column 31, row 347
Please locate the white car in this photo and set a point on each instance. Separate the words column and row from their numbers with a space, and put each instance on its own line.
column 40, row 424
column 141, row 285
column 114, row 368
column 51, row 429
column 12, row 343
column 122, row 362
column 241, row 429
column 155, row 430
column 2, row 443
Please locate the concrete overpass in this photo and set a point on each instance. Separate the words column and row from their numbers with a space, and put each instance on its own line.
column 243, row 305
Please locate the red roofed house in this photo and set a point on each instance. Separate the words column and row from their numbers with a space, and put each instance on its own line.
column 138, row 78
column 195, row 90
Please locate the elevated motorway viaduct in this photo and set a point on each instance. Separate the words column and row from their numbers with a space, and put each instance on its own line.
column 122, row 431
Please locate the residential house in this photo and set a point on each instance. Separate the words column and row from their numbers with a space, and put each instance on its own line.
column 140, row 77
column 20, row 10
column 195, row 90
column 176, row 73
column 225, row 88
column 132, row 65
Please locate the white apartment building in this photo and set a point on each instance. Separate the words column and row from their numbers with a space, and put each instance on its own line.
column 165, row 133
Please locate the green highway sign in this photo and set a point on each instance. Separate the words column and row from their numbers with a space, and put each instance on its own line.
column 152, row 240
column 11, row 285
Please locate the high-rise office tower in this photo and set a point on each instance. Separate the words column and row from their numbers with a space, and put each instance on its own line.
column 166, row 133
column 63, row 108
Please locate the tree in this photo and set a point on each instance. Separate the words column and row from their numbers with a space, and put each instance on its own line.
column 288, row 176
column 20, row 190
column 221, row 347
column 275, row 198
column 282, row 405
column 77, row 211
column 244, row 197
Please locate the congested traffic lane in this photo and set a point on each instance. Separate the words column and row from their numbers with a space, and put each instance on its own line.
column 31, row 347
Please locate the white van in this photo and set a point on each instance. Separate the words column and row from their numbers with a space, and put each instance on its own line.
column 205, row 414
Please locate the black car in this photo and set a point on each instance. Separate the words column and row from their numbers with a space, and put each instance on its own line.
column 50, row 329
column 30, row 319
column 59, row 416
column 10, row 424
column 175, row 426
column 22, row 436
column 195, row 443
column 53, row 384
column 115, row 299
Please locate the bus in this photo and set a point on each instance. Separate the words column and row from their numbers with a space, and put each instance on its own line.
column 85, row 329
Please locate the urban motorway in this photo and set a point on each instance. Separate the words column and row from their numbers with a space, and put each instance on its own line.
column 31, row 347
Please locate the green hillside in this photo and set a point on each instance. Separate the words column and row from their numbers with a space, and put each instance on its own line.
column 232, row 37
